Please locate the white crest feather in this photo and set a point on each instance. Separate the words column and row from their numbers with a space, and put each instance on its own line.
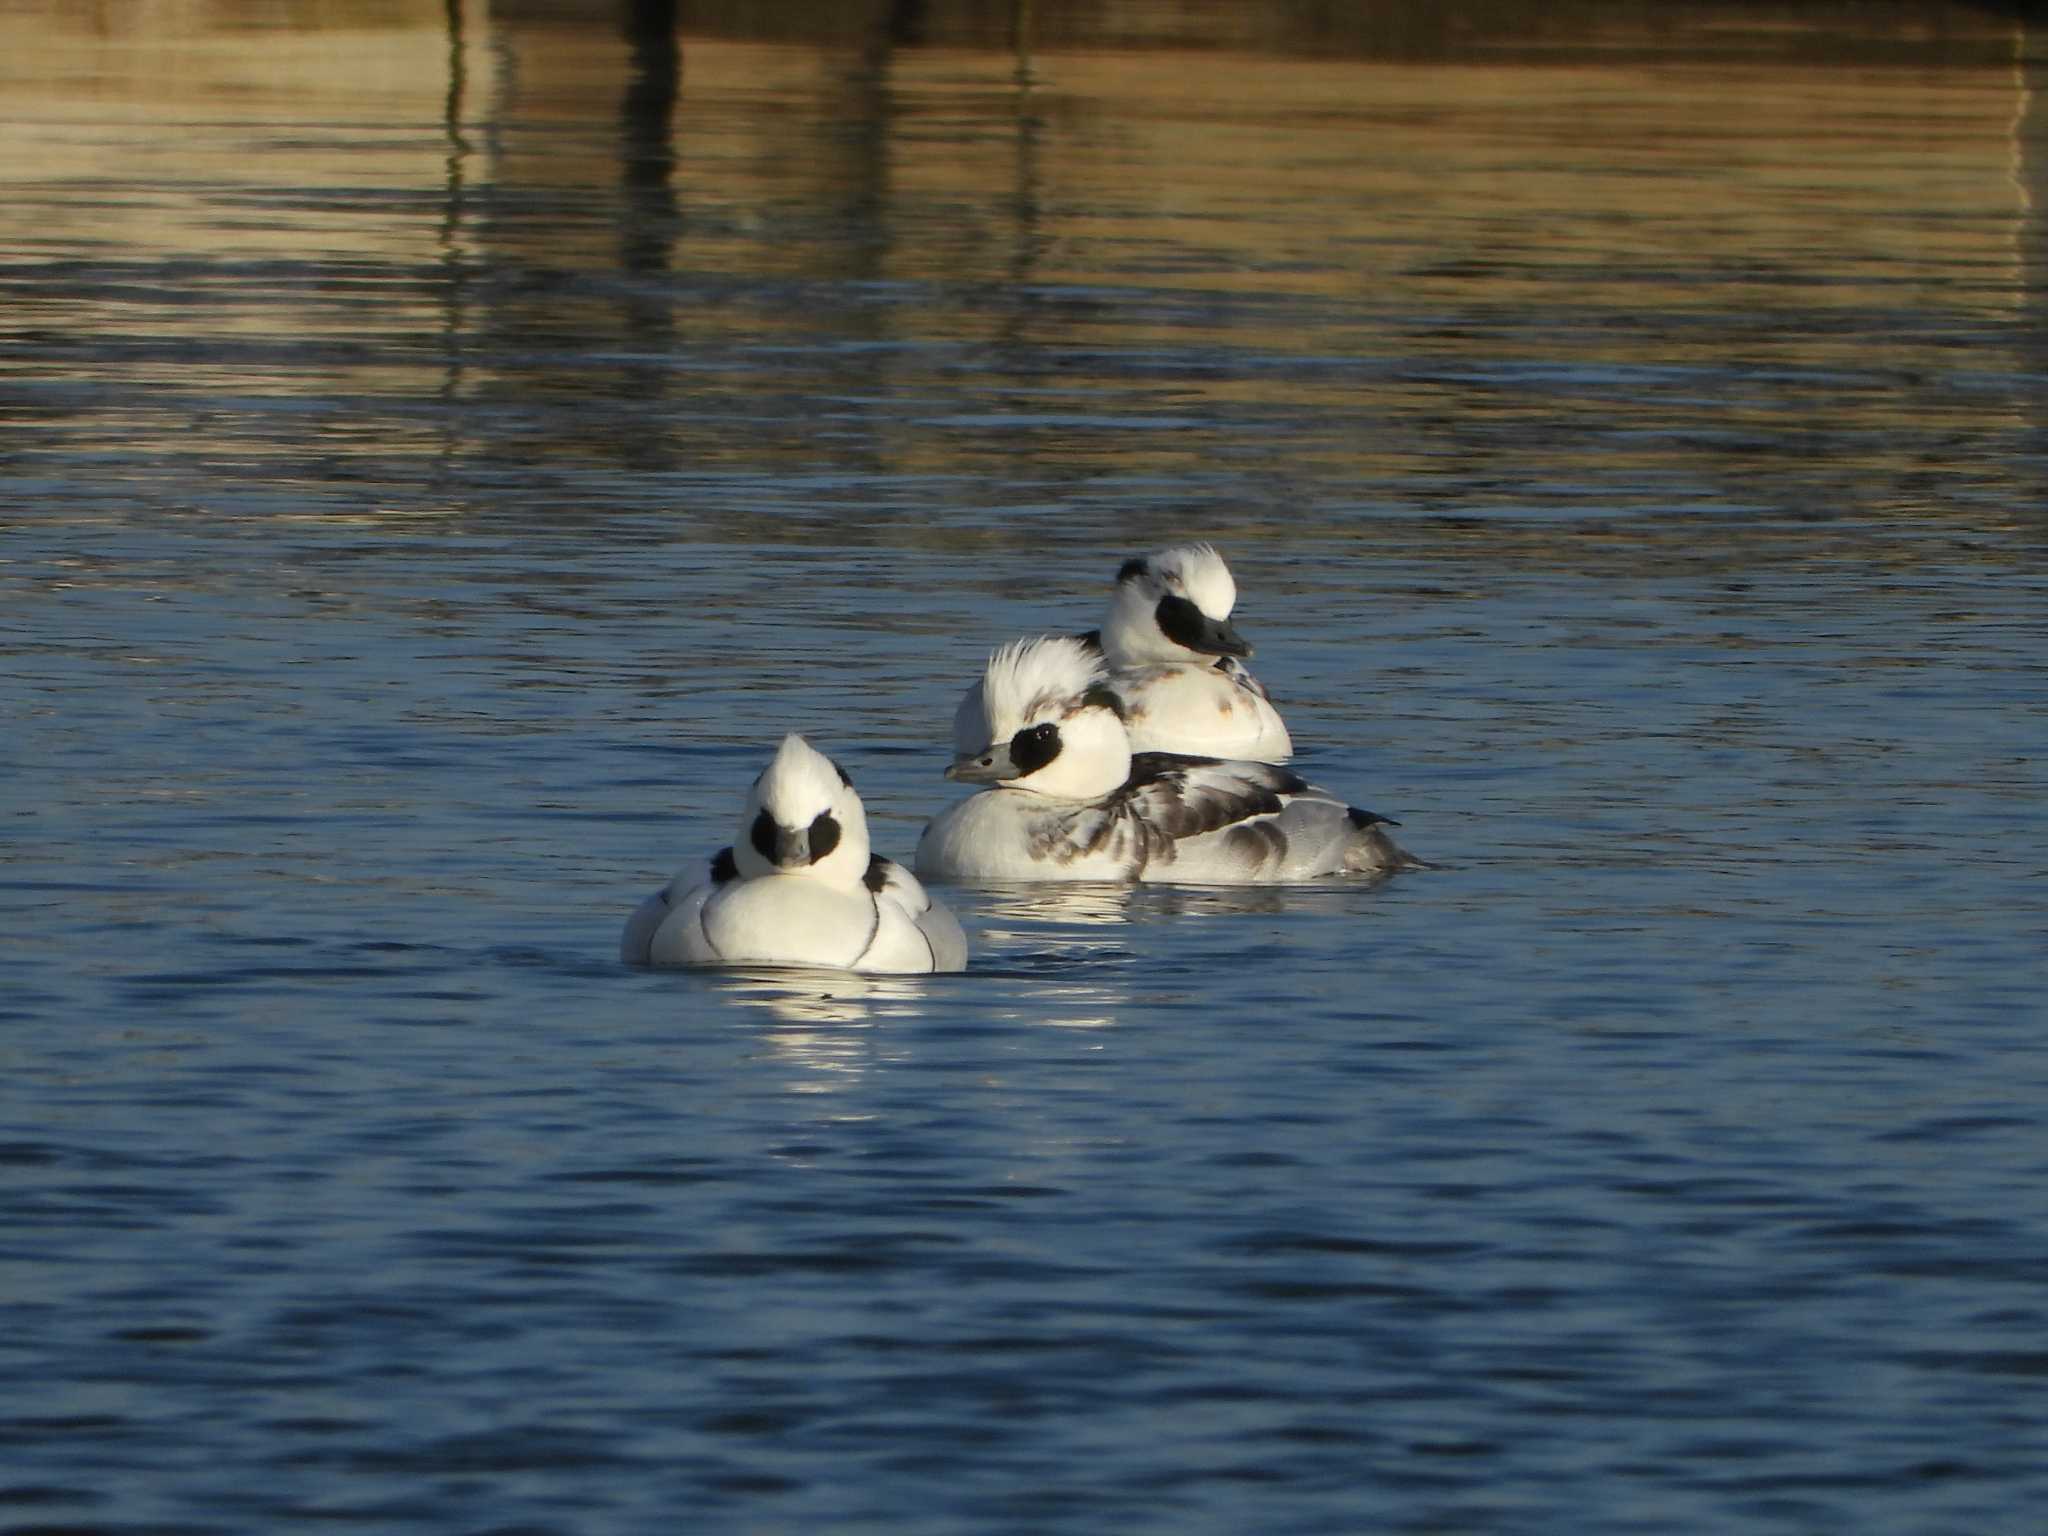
column 1030, row 677
column 1203, row 576
column 800, row 782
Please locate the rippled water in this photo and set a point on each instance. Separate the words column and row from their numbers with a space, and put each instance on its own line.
column 448, row 445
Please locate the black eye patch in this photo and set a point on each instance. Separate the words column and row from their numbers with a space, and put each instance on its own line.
column 1032, row 748
column 762, row 836
column 1186, row 625
column 1182, row 623
column 824, row 835
column 1130, row 569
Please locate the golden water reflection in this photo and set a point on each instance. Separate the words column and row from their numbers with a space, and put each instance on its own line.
column 1440, row 267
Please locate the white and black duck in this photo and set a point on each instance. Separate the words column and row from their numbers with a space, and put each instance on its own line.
column 799, row 886
column 1069, row 799
column 1176, row 661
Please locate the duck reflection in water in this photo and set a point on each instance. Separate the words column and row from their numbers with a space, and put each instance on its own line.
column 823, row 998
column 838, row 1028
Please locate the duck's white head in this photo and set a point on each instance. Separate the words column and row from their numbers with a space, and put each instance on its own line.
column 1172, row 606
column 803, row 818
column 1050, row 723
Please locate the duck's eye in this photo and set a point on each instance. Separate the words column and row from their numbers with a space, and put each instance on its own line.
column 824, row 835
column 762, row 836
column 1033, row 747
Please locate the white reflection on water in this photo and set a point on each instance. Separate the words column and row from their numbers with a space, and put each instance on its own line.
column 821, row 1021
column 1178, row 903
column 1084, row 903
column 836, row 1026
column 804, row 996
column 1080, row 1005
column 1103, row 904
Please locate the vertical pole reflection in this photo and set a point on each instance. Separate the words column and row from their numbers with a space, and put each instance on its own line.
column 869, row 113
column 907, row 23
column 2030, row 177
column 454, row 211
column 1025, row 201
column 647, row 158
column 451, row 122
column 648, row 217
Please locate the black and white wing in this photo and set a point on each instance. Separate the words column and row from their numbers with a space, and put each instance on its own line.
column 636, row 944
column 936, row 929
column 1231, row 821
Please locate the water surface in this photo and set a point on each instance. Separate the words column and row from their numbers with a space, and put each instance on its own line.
column 448, row 445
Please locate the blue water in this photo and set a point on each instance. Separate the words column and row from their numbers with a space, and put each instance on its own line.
column 425, row 507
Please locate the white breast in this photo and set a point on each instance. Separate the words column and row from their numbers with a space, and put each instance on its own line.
column 786, row 920
column 772, row 920
column 1012, row 834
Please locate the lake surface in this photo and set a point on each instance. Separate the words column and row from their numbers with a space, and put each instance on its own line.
column 446, row 446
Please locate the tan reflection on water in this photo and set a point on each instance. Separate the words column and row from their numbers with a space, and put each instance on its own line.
column 142, row 128
column 407, row 145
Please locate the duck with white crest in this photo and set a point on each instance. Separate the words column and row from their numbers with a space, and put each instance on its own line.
column 799, row 886
column 1176, row 661
column 1070, row 800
